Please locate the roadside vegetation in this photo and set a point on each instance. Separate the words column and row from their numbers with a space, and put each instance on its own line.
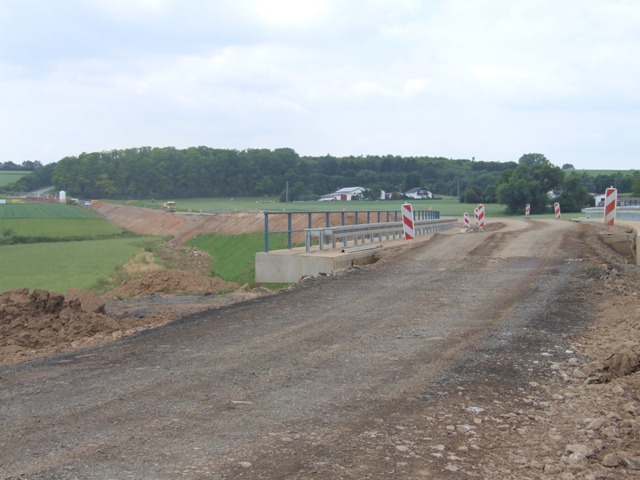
column 233, row 256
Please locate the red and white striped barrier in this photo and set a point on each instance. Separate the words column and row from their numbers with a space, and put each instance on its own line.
column 465, row 219
column 556, row 207
column 527, row 210
column 480, row 216
column 610, row 201
column 407, row 222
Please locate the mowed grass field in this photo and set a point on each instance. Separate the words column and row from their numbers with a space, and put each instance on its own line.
column 38, row 222
column 8, row 177
column 56, row 247
column 59, row 266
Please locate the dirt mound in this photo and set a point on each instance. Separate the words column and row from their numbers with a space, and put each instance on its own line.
column 174, row 282
column 182, row 227
column 41, row 319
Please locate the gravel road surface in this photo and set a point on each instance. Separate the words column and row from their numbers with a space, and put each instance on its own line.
column 314, row 382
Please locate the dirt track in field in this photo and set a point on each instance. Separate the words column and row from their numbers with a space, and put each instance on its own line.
column 503, row 354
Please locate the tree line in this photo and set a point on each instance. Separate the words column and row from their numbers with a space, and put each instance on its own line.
column 27, row 165
column 168, row 172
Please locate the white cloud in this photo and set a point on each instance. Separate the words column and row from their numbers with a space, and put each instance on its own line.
column 490, row 78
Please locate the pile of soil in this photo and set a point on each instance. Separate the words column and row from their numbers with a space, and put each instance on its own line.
column 174, row 282
column 38, row 323
column 40, row 320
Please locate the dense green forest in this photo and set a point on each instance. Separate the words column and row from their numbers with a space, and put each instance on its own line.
column 208, row 172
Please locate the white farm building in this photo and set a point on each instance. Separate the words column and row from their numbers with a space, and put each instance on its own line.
column 345, row 194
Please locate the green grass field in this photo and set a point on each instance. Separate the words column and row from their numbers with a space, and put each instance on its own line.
column 7, row 178
column 45, row 222
column 233, row 256
column 56, row 247
column 43, row 210
column 63, row 265
column 58, row 228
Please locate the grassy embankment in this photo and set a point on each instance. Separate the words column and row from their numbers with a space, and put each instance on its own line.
column 56, row 247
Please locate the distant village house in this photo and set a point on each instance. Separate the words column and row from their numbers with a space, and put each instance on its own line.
column 344, row 194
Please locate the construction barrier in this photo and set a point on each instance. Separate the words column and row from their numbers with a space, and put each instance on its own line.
column 480, row 216
column 556, row 207
column 466, row 221
column 610, row 202
column 407, row 221
column 527, row 210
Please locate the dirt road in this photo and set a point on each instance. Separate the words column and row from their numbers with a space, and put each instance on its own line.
column 409, row 368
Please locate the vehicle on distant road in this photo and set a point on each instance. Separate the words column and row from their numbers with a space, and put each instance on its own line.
column 169, row 206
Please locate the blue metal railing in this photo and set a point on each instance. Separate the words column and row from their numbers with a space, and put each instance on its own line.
column 324, row 218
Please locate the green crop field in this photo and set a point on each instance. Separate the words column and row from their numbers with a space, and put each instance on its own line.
column 58, row 228
column 62, row 265
column 43, row 210
column 45, row 222
column 7, row 178
column 57, row 247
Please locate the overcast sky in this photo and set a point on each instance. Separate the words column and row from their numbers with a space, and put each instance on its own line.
column 483, row 79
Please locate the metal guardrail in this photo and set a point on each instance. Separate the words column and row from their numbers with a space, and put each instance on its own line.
column 360, row 217
column 626, row 214
column 358, row 235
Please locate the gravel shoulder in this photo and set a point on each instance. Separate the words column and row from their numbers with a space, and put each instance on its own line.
column 500, row 354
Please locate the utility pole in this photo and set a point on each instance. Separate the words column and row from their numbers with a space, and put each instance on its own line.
column 286, row 195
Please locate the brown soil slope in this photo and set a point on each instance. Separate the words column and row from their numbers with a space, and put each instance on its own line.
column 184, row 226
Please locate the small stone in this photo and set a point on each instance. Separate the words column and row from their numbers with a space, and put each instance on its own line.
column 579, row 448
column 402, row 448
column 610, row 460
column 475, row 410
column 245, row 464
column 596, row 424
column 631, row 463
column 618, row 390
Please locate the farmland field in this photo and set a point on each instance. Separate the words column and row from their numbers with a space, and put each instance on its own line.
column 58, row 228
column 46, row 221
column 62, row 265
column 43, row 210
column 8, row 177
column 56, row 247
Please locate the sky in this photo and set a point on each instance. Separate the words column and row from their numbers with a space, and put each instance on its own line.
column 488, row 80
